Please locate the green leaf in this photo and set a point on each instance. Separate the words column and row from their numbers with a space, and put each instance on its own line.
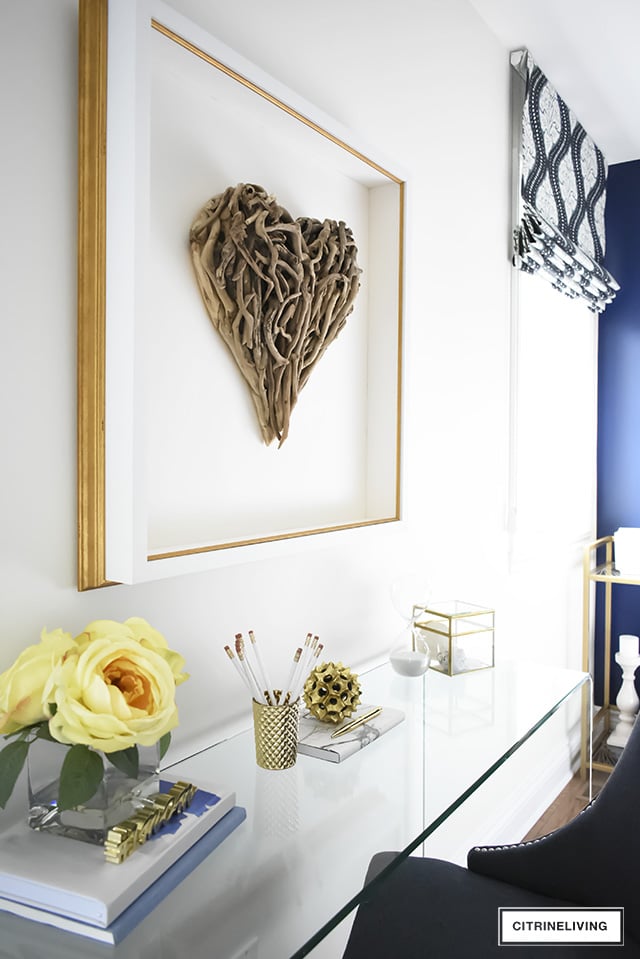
column 16, row 732
column 43, row 733
column 126, row 760
column 164, row 742
column 12, row 759
column 24, row 732
column 53, row 708
column 80, row 776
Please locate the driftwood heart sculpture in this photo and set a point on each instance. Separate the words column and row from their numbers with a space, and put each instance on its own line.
column 278, row 291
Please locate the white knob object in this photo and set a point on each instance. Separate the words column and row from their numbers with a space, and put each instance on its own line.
column 629, row 646
column 628, row 659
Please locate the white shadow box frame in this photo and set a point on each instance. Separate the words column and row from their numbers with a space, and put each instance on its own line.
column 173, row 474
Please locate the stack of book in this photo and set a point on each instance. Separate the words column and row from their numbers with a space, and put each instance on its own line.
column 68, row 884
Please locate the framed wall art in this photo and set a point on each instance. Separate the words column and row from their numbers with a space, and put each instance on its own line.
column 240, row 308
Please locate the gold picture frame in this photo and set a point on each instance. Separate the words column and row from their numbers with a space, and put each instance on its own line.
column 116, row 76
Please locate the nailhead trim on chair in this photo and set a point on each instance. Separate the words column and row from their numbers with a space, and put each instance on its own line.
column 530, row 842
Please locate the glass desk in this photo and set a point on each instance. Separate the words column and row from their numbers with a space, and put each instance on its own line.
column 279, row 885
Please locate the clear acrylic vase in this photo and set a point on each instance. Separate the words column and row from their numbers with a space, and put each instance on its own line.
column 117, row 797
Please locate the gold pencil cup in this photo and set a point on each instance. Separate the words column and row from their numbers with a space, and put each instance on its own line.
column 276, row 734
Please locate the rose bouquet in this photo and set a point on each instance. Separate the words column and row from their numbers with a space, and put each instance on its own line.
column 107, row 691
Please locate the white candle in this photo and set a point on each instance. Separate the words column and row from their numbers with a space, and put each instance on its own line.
column 629, row 646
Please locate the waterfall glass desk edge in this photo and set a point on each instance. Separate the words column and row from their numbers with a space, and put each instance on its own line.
column 285, row 880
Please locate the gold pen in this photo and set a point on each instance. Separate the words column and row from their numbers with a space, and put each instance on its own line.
column 359, row 721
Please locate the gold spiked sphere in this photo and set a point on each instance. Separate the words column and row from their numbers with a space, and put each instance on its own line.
column 331, row 692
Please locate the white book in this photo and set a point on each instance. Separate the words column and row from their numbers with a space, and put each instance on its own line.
column 315, row 738
column 72, row 878
column 145, row 903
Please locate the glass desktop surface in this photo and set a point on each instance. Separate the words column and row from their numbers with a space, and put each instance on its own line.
column 285, row 878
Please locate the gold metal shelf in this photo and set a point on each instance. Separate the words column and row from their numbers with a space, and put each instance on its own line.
column 603, row 756
column 607, row 574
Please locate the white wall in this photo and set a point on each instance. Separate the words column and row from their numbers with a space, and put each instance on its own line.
column 429, row 84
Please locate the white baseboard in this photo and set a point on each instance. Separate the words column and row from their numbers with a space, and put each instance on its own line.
column 530, row 803
column 504, row 809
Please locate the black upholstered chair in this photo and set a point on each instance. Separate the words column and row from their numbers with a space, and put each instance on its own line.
column 428, row 908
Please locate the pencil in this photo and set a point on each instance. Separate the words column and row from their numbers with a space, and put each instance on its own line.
column 299, row 670
column 264, row 676
column 311, row 654
column 236, row 666
column 251, row 679
column 294, row 666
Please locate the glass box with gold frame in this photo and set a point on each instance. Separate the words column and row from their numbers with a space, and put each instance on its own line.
column 460, row 636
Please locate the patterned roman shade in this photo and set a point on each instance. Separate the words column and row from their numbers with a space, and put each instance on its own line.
column 560, row 191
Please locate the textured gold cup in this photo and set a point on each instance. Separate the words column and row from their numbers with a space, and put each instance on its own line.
column 276, row 735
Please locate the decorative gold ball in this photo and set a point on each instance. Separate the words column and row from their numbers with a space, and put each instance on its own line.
column 331, row 692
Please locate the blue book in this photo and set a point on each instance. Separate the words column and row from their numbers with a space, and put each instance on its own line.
column 146, row 902
column 71, row 880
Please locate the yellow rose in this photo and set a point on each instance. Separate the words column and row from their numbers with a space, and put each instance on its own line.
column 152, row 639
column 111, row 692
column 103, row 629
column 22, row 685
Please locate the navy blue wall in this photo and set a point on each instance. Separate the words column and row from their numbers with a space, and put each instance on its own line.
column 619, row 392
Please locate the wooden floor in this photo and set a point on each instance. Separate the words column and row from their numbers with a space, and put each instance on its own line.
column 565, row 807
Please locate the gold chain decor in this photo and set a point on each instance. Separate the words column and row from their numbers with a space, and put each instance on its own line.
column 128, row 835
column 332, row 692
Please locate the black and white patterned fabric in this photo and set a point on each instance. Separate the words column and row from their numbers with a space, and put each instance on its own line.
column 563, row 183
